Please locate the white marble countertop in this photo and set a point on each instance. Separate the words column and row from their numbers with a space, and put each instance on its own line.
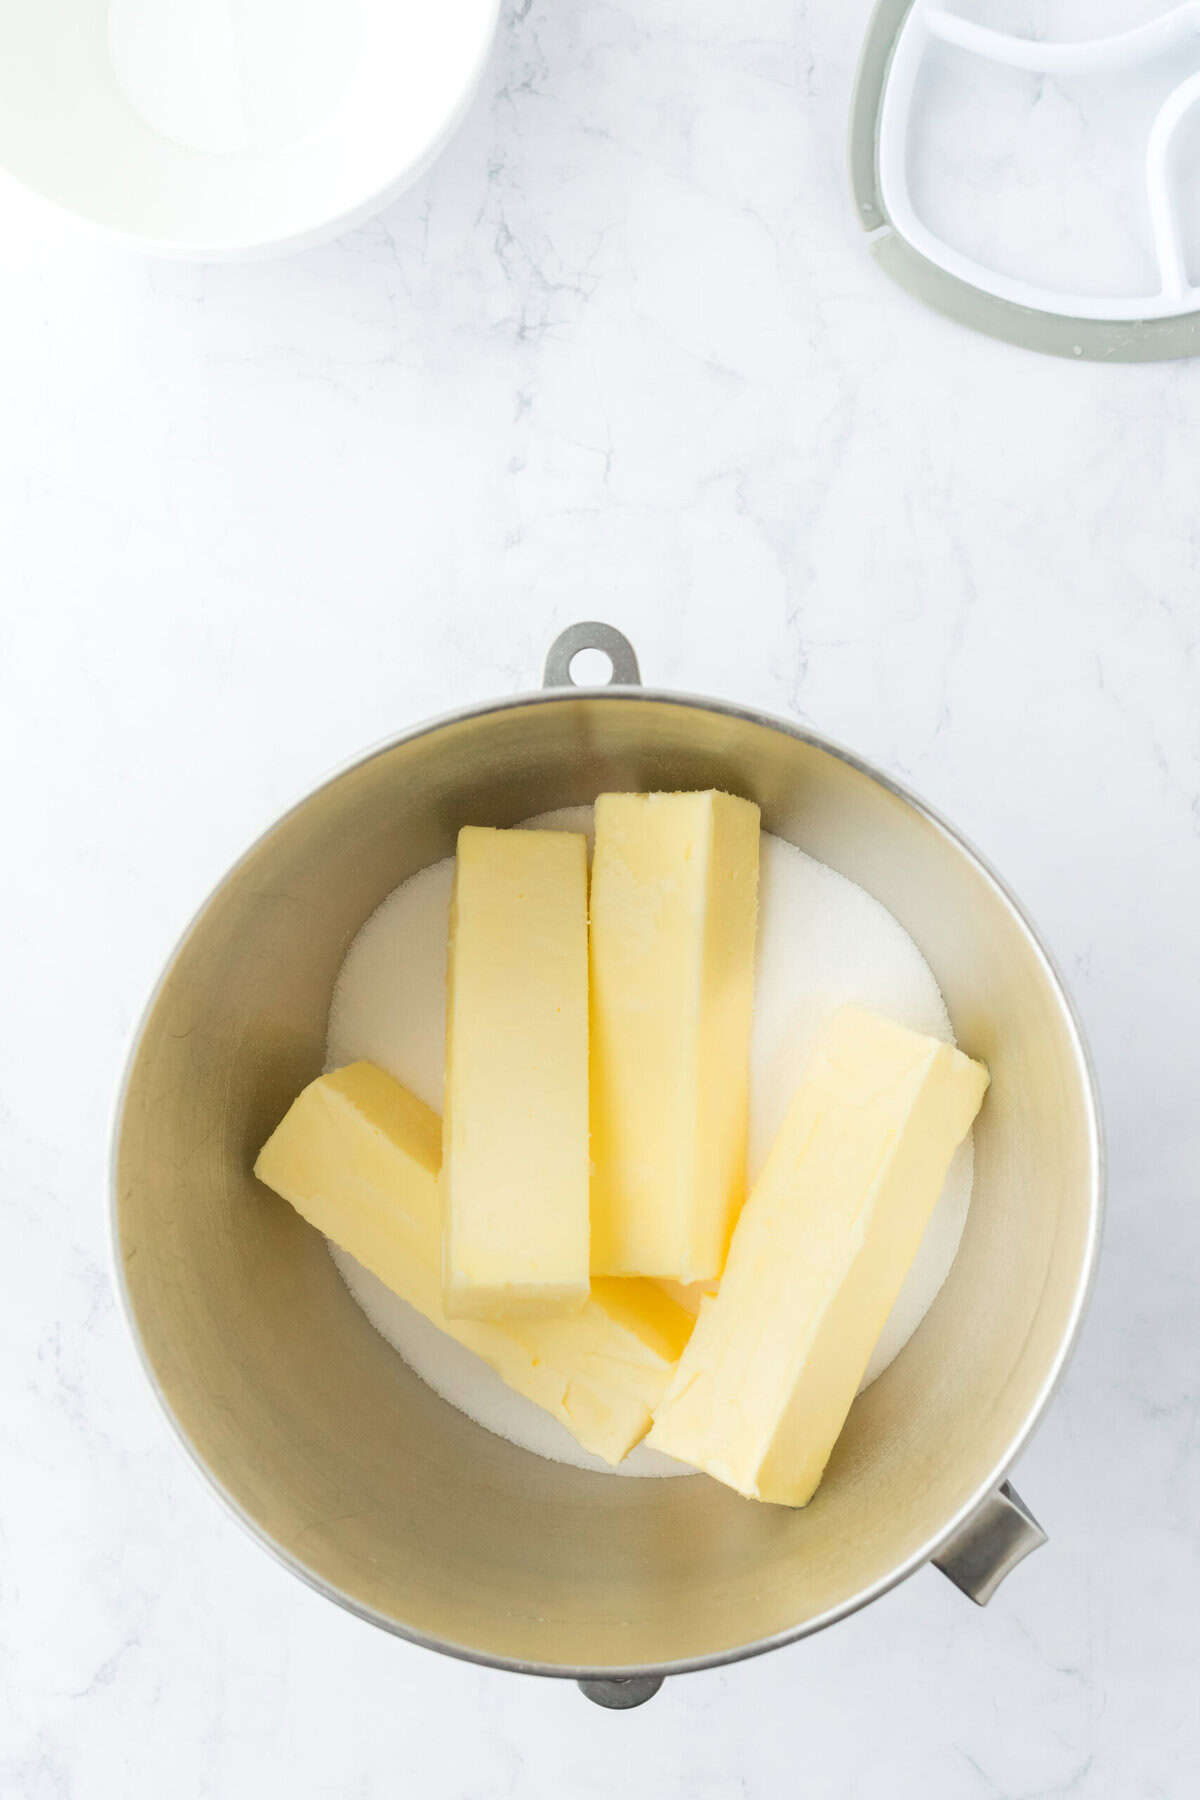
column 621, row 355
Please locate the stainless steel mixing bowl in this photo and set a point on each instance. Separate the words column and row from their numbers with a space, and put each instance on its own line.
column 386, row 1499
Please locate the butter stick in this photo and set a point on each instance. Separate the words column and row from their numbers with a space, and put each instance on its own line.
column 516, row 1125
column 358, row 1156
column 673, row 917
column 818, row 1257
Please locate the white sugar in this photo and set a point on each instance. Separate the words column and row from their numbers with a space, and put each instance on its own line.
column 822, row 942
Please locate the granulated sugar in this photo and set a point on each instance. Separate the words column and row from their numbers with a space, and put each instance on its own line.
column 822, row 942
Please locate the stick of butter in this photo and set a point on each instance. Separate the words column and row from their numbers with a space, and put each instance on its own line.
column 818, row 1257
column 357, row 1155
column 673, row 915
column 516, row 1124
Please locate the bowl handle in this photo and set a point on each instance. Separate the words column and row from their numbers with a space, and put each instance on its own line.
column 990, row 1545
column 591, row 634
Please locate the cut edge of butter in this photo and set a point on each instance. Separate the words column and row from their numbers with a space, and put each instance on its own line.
column 691, row 1295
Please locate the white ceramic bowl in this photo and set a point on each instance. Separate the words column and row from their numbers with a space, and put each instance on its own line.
column 230, row 128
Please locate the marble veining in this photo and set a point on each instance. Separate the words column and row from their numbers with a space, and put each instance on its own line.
column 622, row 353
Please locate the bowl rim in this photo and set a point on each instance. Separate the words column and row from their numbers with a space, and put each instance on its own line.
column 1085, row 1281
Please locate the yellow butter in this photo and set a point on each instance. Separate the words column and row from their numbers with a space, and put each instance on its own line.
column 516, row 1122
column 691, row 1295
column 818, row 1257
column 358, row 1156
column 673, row 916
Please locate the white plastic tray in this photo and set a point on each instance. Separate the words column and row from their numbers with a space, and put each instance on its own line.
column 1130, row 326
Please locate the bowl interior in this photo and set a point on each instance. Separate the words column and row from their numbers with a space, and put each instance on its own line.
column 361, row 1477
column 219, row 130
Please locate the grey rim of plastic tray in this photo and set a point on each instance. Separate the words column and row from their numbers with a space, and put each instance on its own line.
column 1100, row 340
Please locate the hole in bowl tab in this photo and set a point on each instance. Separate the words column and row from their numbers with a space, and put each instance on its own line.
column 591, row 668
